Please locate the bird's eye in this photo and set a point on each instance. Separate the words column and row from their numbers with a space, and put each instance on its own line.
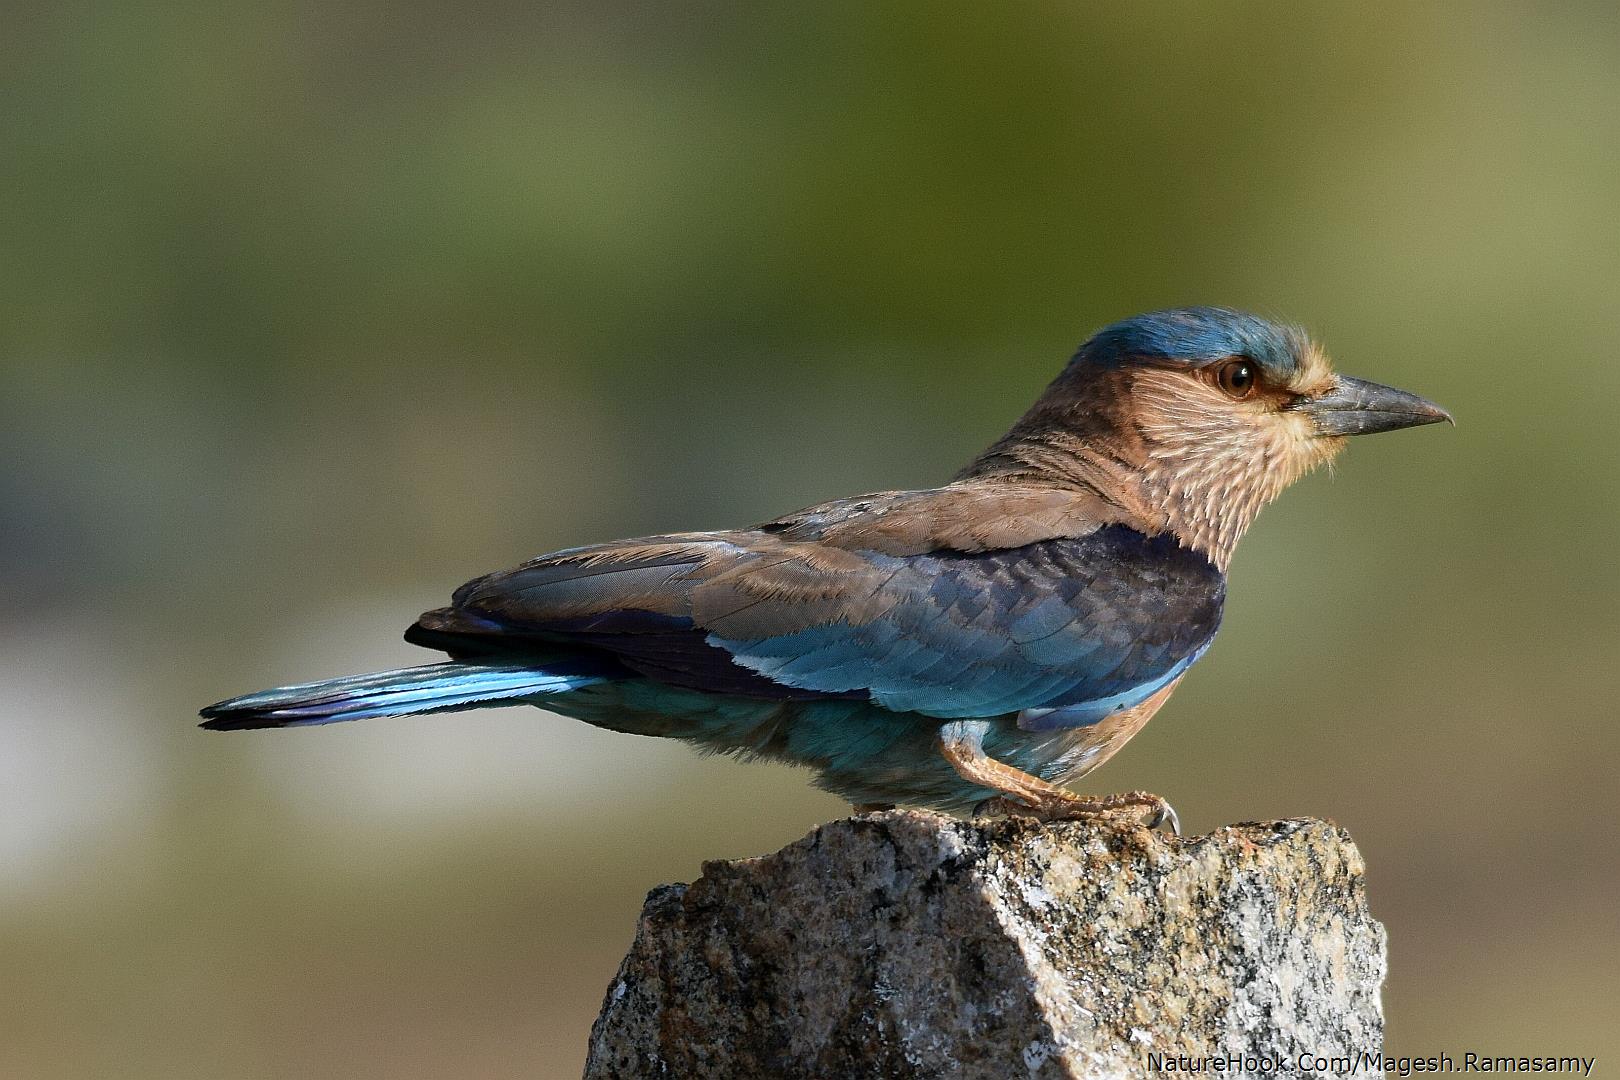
column 1237, row 378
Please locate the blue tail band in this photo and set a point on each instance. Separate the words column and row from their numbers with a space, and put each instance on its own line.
column 432, row 688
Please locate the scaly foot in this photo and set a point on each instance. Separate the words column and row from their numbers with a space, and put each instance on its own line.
column 1023, row 795
column 1137, row 807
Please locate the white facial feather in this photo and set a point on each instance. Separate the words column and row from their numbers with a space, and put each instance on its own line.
column 1213, row 462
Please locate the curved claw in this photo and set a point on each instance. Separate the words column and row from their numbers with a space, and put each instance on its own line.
column 1165, row 815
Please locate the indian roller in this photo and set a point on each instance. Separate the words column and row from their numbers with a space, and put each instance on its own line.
column 977, row 645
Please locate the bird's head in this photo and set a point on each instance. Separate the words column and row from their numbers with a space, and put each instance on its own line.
column 1194, row 419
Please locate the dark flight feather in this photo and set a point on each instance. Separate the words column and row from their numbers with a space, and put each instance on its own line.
column 1079, row 625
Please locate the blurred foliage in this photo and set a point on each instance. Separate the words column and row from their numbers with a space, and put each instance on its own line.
column 312, row 311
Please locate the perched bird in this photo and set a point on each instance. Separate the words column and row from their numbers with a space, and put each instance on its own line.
column 972, row 645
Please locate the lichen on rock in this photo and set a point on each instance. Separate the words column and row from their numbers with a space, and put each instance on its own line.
column 906, row 944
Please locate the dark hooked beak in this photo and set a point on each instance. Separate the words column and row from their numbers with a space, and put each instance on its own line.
column 1358, row 407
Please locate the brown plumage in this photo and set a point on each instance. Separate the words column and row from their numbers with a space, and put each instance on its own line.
column 987, row 639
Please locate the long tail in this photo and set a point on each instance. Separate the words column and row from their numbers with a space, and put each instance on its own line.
column 431, row 688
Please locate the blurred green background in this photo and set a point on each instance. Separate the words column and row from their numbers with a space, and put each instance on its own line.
column 309, row 312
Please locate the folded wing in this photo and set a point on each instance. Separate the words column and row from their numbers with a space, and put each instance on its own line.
column 1065, row 629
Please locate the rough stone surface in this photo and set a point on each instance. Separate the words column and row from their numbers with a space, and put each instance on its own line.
column 903, row 944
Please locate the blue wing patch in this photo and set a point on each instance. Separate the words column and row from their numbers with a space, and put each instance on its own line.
column 1066, row 631
column 1063, row 631
column 1087, row 713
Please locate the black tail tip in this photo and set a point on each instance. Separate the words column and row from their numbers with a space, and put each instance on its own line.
column 217, row 719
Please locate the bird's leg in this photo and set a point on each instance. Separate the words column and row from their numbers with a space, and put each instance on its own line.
column 962, row 743
column 872, row 807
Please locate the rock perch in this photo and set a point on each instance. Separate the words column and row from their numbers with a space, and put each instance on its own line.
column 904, row 944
